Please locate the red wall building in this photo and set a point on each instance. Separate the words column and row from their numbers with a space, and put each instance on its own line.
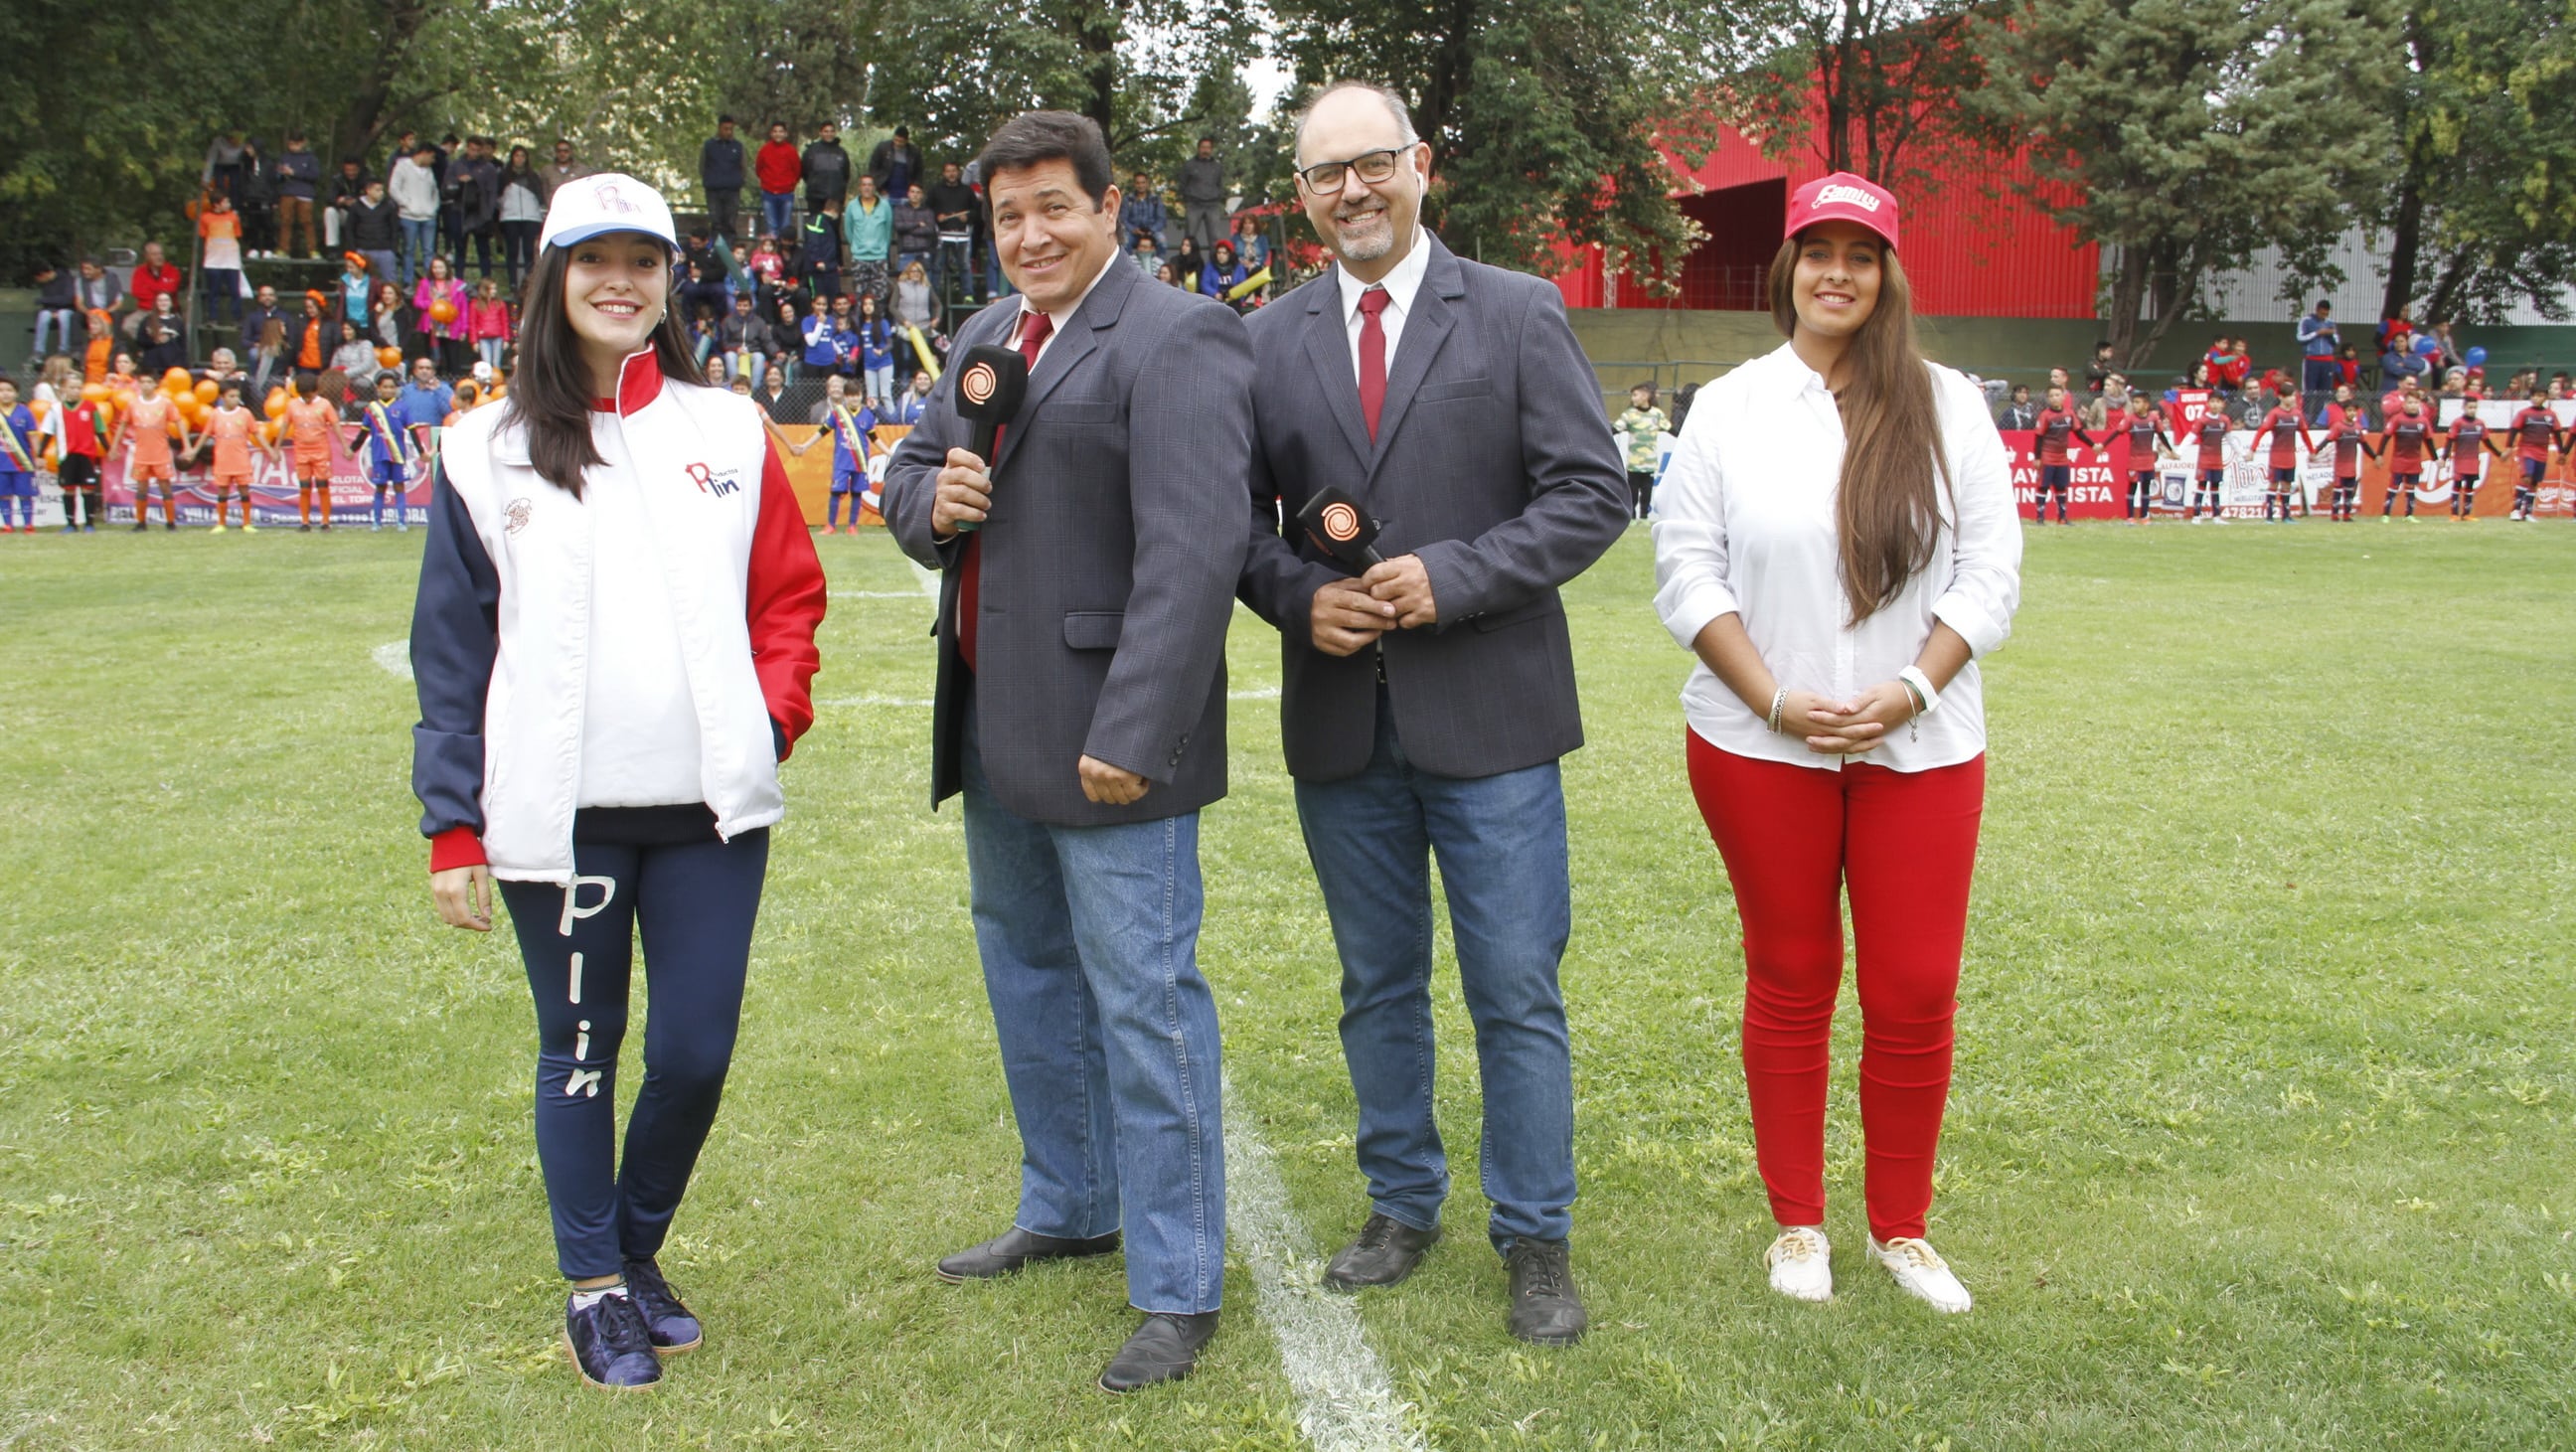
column 1973, row 246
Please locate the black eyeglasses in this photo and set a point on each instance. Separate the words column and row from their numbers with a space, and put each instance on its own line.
column 1373, row 167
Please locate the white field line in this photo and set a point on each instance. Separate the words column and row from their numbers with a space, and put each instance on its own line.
column 928, row 582
column 394, row 658
column 1345, row 1403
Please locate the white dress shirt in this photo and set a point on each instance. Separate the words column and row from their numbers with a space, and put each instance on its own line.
column 1745, row 526
column 1400, row 284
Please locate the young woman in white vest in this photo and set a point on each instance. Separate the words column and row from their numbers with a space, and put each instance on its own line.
column 1836, row 544
column 613, row 644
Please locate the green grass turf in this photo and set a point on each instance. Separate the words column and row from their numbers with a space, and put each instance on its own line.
column 2260, row 1136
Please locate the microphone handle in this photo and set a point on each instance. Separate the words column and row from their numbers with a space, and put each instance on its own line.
column 1370, row 558
column 980, row 443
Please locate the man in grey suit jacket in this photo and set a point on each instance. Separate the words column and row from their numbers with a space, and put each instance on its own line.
column 1426, row 702
column 1089, row 571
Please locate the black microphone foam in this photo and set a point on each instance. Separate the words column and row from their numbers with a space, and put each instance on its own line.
column 991, row 381
column 1340, row 528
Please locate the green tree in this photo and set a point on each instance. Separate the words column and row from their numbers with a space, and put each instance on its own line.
column 2185, row 135
column 1872, row 85
column 2483, row 210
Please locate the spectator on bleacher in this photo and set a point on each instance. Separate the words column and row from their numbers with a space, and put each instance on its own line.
column 451, row 341
column 151, row 278
column 56, row 312
column 819, row 259
column 224, row 163
column 522, row 215
column 1147, row 260
column 1142, row 216
column 413, row 185
column 742, row 340
column 565, row 168
column 2402, row 365
column 953, row 205
column 720, row 171
column 915, row 306
column 869, row 228
column 256, row 199
column 2222, row 360
column 778, row 168
column 219, row 262
column 765, row 263
column 489, row 326
column 374, row 231
column 299, row 177
column 786, row 340
column 822, row 346
column 386, row 321
column 910, row 404
column 772, row 397
column 161, row 336
column 1202, row 188
column 264, row 326
column 2018, row 414
column 2097, row 374
column 348, row 188
column 2318, row 344
column 1164, row 274
column 895, row 164
column 1225, row 272
column 876, row 346
column 1188, row 261
column 825, row 168
column 476, row 184
column 1250, row 244
column 916, row 231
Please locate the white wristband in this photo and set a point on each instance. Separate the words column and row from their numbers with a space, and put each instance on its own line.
column 1922, row 684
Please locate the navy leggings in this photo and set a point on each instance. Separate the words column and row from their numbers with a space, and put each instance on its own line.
column 695, row 904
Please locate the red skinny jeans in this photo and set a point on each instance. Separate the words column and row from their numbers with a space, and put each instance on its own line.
column 1906, row 843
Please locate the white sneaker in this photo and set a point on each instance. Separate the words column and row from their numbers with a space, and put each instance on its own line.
column 1801, row 1264
column 1921, row 1273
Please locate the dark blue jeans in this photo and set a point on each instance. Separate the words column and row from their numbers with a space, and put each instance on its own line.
column 1500, row 842
column 695, row 905
column 1089, row 937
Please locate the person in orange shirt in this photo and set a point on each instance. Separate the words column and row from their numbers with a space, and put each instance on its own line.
column 235, row 432
column 102, row 347
column 148, row 427
column 310, row 420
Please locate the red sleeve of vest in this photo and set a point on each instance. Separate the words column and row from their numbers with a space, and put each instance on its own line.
column 783, row 603
column 455, row 847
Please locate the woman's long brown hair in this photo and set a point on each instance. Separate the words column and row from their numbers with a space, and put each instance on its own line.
column 1887, row 510
column 550, row 393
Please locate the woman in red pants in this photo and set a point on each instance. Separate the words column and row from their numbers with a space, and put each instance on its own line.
column 1839, row 548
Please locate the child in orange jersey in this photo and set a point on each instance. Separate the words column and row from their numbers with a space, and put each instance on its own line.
column 310, row 422
column 235, row 432
column 148, row 427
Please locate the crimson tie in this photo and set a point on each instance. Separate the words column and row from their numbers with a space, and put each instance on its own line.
column 970, row 568
column 1372, row 357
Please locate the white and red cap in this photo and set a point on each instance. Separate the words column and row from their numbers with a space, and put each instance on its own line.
column 1847, row 198
column 605, row 202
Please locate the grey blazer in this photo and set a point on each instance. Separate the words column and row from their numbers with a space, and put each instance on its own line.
column 1114, row 543
column 1493, row 462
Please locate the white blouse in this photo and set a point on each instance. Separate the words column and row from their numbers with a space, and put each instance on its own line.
column 1744, row 525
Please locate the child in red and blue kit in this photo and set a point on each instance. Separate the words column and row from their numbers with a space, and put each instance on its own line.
column 2138, row 418
column 2211, row 433
column 387, row 450
column 2535, row 433
column 2049, row 434
column 2409, row 433
column 17, row 458
column 2345, row 436
column 2288, row 431
column 84, row 448
column 2471, row 440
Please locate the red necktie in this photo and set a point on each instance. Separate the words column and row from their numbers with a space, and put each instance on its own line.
column 1372, row 357
column 970, row 569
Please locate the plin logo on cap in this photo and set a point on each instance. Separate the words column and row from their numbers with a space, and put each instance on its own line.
column 610, row 199
column 1837, row 192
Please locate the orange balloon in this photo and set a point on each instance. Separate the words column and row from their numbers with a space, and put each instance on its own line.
column 444, row 310
column 175, row 381
column 268, row 432
column 275, row 405
column 389, row 356
column 94, row 393
column 40, row 408
column 207, row 391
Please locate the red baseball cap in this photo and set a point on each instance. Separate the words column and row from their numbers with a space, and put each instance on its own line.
column 1843, row 197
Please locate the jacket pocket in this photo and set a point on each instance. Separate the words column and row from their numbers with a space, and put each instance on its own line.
column 1093, row 629
column 1454, row 388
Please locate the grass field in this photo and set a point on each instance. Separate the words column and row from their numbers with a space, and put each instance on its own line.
column 2261, row 1133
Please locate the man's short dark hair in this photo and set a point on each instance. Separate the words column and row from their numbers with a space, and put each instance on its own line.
column 2325, row 304
column 1208, row 140
column 904, row 131
column 1035, row 136
column 725, row 119
column 292, row 137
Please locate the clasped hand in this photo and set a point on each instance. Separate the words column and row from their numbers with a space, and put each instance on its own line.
column 1846, row 728
column 1394, row 594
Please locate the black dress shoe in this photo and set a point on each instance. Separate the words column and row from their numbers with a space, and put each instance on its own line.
column 1015, row 1248
column 1386, row 1252
column 1165, row 1348
column 1546, row 1310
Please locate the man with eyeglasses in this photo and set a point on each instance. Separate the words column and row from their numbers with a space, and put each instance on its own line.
column 1427, row 701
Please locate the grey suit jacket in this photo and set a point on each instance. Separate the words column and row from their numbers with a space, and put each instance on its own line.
column 1492, row 462
column 1113, row 546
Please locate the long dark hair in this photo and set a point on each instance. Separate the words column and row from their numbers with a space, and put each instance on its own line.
column 550, row 391
column 1887, row 510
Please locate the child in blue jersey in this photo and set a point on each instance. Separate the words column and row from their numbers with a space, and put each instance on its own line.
column 17, row 458
column 387, row 450
column 848, row 423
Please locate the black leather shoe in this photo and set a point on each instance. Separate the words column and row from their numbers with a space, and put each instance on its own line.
column 1386, row 1252
column 674, row 1329
column 1165, row 1348
column 1015, row 1248
column 1546, row 1309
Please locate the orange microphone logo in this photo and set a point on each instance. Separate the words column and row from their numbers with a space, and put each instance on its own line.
column 1341, row 522
column 978, row 383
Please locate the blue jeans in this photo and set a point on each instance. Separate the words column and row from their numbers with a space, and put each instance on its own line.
column 952, row 267
column 419, row 244
column 1500, row 841
column 59, row 321
column 778, row 213
column 1089, row 937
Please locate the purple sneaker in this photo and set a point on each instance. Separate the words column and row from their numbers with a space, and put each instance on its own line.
column 610, row 1345
column 674, row 1329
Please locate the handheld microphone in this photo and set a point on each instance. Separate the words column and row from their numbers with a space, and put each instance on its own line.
column 1340, row 528
column 991, row 381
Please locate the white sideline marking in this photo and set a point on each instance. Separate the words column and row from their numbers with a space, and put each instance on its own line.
column 394, row 656
column 1344, row 1401
column 1257, row 693
column 928, row 582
